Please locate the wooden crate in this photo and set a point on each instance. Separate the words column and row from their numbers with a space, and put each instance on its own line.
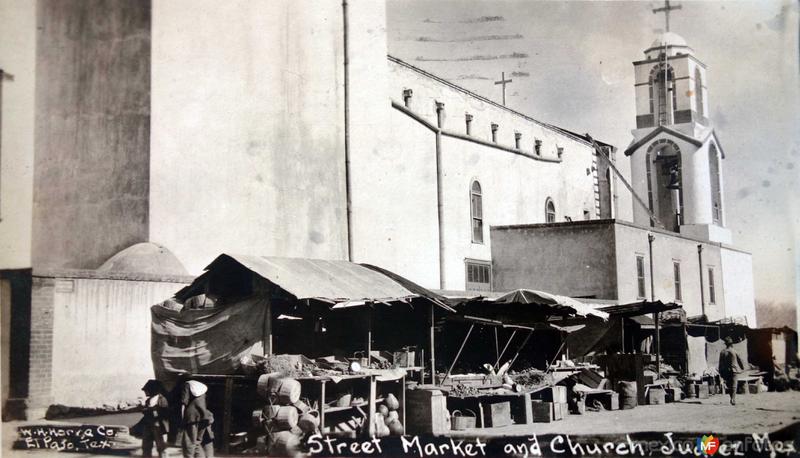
column 702, row 391
column 427, row 412
column 496, row 414
column 555, row 393
column 656, row 396
column 542, row 411
column 673, row 394
column 560, row 410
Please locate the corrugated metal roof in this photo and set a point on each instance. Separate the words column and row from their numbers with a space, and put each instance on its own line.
column 338, row 282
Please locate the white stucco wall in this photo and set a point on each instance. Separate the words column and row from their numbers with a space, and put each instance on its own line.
column 101, row 339
column 737, row 285
column 667, row 248
column 395, row 185
column 18, row 61
column 247, row 129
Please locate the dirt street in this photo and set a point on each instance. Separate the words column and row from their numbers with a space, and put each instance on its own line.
column 761, row 413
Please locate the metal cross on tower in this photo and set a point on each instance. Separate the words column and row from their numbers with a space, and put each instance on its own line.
column 503, row 81
column 666, row 9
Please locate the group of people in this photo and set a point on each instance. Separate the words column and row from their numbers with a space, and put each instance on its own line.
column 196, row 434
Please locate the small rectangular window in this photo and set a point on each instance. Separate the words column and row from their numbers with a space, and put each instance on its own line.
column 712, row 290
column 676, row 272
column 479, row 275
column 537, row 147
column 640, row 277
column 560, row 150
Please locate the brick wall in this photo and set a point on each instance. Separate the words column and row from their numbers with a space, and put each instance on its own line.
column 41, row 346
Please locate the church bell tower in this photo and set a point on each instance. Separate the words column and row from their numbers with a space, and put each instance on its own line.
column 676, row 158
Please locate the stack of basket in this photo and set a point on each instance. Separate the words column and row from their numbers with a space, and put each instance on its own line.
column 285, row 418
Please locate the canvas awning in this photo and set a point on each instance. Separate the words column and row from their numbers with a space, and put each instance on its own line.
column 639, row 308
column 530, row 305
column 338, row 283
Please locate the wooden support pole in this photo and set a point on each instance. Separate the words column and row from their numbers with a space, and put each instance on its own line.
column 497, row 363
column 226, row 417
column 369, row 334
column 433, row 356
column 371, row 407
column 496, row 344
column 520, row 349
column 267, row 331
column 463, row 344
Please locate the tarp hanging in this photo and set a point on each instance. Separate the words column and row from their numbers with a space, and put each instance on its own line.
column 204, row 341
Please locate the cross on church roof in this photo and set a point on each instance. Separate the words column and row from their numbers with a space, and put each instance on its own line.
column 503, row 81
column 666, row 9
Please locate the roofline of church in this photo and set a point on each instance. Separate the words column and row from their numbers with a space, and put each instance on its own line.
column 612, row 221
column 568, row 133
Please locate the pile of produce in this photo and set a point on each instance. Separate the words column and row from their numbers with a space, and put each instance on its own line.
column 460, row 390
column 530, row 378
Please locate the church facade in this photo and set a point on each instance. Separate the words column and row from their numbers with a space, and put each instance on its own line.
column 145, row 138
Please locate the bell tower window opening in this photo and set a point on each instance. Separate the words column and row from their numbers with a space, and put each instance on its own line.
column 661, row 82
column 716, row 185
column 698, row 93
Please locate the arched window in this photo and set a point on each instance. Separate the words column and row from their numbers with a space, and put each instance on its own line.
column 662, row 81
column 476, row 211
column 716, row 185
column 549, row 211
column 698, row 93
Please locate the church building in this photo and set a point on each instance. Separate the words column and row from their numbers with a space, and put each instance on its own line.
column 678, row 247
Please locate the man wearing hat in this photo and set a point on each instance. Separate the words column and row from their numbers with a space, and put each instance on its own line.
column 155, row 423
column 730, row 364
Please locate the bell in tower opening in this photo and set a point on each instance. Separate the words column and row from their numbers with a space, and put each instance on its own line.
column 664, row 183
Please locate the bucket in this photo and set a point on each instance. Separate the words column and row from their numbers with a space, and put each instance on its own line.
column 284, row 443
column 627, row 393
column 460, row 422
column 286, row 418
column 288, row 391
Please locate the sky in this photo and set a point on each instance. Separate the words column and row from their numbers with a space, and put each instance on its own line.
column 571, row 65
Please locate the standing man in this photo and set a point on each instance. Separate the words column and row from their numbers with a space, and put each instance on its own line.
column 155, row 421
column 730, row 364
column 198, row 438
